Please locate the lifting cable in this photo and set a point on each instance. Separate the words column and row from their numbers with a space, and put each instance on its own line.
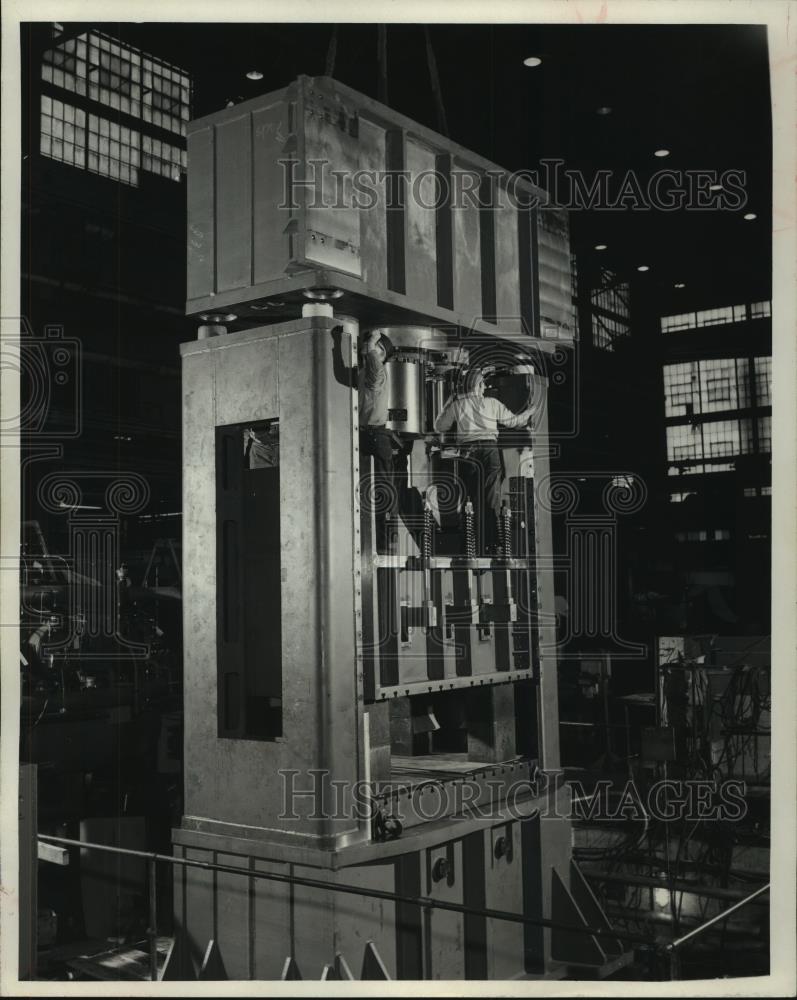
column 442, row 125
column 332, row 51
column 431, row 62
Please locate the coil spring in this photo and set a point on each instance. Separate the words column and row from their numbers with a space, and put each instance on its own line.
column 470, row 540
column 427, row 529
column 505, row 530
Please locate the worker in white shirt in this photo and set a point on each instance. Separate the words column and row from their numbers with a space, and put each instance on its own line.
column 375, row 439
column 477, row 418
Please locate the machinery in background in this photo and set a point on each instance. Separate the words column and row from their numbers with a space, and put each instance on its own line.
column 709, row 721
column 102, row 731
column 343, row 706
column 714, row 695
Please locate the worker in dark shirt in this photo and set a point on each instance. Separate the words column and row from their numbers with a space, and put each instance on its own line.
column 375, row 439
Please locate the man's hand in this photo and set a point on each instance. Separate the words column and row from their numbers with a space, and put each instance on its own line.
column 372, row 340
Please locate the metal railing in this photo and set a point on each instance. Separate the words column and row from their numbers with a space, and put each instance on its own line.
column 427, row 903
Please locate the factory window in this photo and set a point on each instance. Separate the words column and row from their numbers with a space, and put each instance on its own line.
column 746, row 439
column 121, row 77
column 766, row 491
column 680, row 497
column 765, row 434
column 714, row 385
column 114, row 75
column 743, row 382
column 763, row 381
column 725, row 314
column 694, row 470
column 720, row 438
column 113, row 150
column 750, row 491
column 718, row 384
column 610, row 309
column 681, row 389
column 162, row 158
column 715, row 439
column 713, row 317
column 65, row 65
column 166, row 95
column 248, row 588
column 721, row 535
column 62, row 132
column 607, row 329
column 683, row 321
column 758, row 310
column 684, row 441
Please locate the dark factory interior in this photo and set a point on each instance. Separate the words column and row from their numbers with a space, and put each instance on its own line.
column 616, row 628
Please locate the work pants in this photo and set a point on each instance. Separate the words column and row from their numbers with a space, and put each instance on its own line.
column 482, row 475
column 381, row 493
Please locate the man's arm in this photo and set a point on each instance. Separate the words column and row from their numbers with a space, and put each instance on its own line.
column 446, row 417
column 375, row 375
column 507, row 418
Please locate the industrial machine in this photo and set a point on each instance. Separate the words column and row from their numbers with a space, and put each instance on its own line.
column 380, row 720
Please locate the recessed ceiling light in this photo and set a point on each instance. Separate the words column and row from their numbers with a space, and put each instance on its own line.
column 715, row 187
column 601, row 246
column 661, row 152
column 679, row 284
column 750, row 216
column 605, row 110
column 532, row 61
column 254, row 74
column 643, row 267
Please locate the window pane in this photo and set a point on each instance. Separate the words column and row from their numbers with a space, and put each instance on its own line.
column 718, row 385
column 765, row 434
column 760, row 309
column 683, row 321
column 763, row 381
column 746, row 442
column 681, row 390
column 721, row 437
column 743, row 382
column 684, row 441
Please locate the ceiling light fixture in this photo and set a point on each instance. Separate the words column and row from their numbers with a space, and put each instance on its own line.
column 661, row 152
column 254, row 74
column 643, row 267
column 715, row 187
column 679, row 284
column 532, row 61
column 601, row 246
column 606, row 110
column 749, row 216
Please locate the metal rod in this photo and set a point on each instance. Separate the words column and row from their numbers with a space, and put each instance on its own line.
column 720, row 916
column 351, row 889
column 152, row 930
